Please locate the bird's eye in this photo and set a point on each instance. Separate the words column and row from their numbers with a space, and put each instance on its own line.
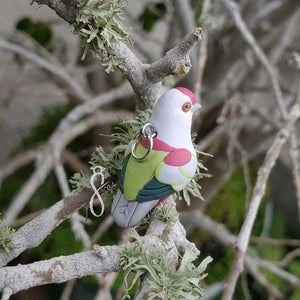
column 186, row 106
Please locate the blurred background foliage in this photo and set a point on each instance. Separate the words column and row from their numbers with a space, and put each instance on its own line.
column 227, row 206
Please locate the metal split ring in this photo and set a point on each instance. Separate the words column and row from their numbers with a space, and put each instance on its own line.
column 147, row 132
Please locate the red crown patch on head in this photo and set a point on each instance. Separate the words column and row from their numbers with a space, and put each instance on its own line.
column 187, row 92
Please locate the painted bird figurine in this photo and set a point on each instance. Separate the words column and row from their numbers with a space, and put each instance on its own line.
column 160, row 160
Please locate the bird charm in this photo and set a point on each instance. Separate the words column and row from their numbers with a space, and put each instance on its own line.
column 159, row 161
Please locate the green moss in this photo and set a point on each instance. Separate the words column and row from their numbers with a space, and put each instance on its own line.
column 183, row 284
column 100, row 26
column 167, row 213
column 6, row 238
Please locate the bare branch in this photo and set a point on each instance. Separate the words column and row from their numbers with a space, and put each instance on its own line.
column 35, row 231
column 201, row 67
column 275, row 242
column 176, row 60
column 76, row 225
column 258, row 192
column 222, row 234
column 57, row 142
column 294, row 280
column 20, row 160
column 186, row 15
column 218, row 230
column 72, row 161
column 261, row 279
column 60, row 269
column 57, row 71
column 233, row 9
column 66, row 9
column 28, row 189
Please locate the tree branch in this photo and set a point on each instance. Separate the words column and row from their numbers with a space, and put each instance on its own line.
column 66, row 9
column 145, row 80
column 102, row 259
column 35, row 231
column 57, row 71
column 64, row 133
column 258, row 192
column 20, row 160
column 177, row 60
column 234, row 11
column 60, row 269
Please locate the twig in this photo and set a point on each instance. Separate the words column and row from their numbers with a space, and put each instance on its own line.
column 268, row 217
column 91, row 106
column 232, row 129
column 28, row 189
column 98, row 118
column 60, row 269
column 294, row 280
column 57, row 142
column 66, row 9
column 72, row 161
column 35, row 231
column 233, row 9
column 107, row 281
column 295, row 161
column 20, row 160
column 224, row 236
column 265, row 115
column 201, row 66
column 177, row 60
column 58, row 71
column 76, row 225
column 245, row 287
column 103, row 227
column 273, row 292
column 186, row 15
column 286, row 38
column 145, row 80
column 213, row 135
column 200, row 220
column 274, row 242
column 68, row 288
column 101, row 260
column 290, row 256
column 259, row 190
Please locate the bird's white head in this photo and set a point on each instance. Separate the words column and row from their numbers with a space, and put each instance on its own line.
column 172, row 117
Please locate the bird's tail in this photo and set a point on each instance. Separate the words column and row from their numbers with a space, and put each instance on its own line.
column 129, row 213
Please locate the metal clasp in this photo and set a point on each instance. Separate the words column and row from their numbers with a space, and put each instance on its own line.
column 147, row 133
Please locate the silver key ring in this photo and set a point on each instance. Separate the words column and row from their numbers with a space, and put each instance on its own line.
column 147, row 132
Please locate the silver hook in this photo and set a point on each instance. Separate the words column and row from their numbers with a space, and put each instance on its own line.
column 147, row 132
column 98, row 170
